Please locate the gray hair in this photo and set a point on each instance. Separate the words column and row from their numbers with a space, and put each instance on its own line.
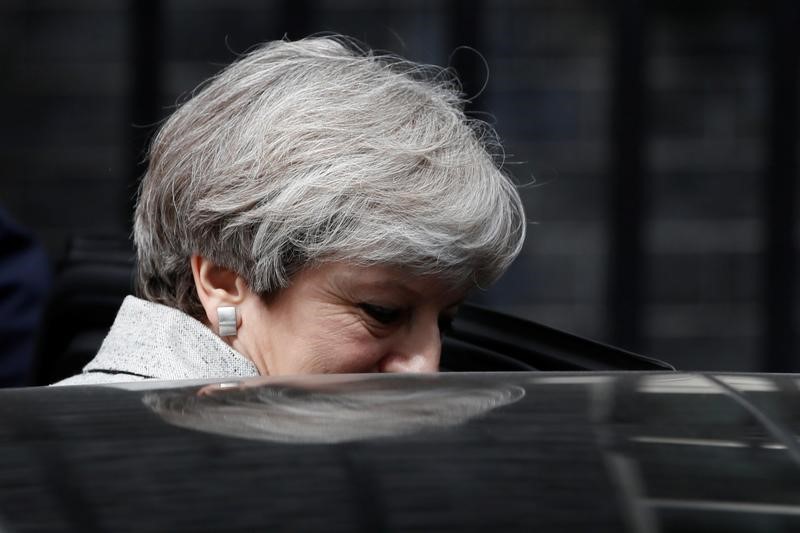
column 316, row 150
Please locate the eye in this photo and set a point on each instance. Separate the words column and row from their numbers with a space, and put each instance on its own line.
column 384, row 315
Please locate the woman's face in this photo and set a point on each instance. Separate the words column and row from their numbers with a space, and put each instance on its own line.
column 338, row 318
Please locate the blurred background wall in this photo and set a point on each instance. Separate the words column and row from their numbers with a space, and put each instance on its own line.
column 655, row 142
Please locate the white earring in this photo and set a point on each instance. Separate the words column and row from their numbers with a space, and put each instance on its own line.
column 227, row 321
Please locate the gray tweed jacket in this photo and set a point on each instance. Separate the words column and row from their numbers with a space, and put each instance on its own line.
column 153, row 341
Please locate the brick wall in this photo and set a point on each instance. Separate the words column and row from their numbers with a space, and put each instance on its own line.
column 707, row 83
column 64, row 87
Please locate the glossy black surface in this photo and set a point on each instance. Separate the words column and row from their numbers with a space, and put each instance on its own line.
column 570, row 452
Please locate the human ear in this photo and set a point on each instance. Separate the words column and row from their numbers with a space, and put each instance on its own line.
column 217, row 287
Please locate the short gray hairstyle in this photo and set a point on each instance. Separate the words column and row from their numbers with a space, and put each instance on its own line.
column 321, row 150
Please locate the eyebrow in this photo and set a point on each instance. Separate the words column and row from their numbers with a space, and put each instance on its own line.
column 399, row 285
column 386, row 284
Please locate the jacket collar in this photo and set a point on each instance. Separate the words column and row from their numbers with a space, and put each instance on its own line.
column 157, row 341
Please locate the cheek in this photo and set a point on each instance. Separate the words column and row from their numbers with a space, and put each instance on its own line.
column 342, row 344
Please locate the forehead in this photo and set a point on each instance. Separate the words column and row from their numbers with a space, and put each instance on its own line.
column 384, row 278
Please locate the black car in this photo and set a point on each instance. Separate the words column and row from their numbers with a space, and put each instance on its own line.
column 503, row 451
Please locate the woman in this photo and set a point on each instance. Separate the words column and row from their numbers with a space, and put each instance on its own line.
column 314, row 208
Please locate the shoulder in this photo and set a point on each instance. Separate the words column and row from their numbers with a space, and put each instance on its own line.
column 150, row 340
column 99, row 378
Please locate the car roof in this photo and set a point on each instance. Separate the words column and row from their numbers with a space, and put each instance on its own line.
column 550, row 451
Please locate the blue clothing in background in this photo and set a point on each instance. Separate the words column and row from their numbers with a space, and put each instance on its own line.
column 25, row 279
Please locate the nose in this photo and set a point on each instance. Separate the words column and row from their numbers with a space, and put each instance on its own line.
column 417, row 351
